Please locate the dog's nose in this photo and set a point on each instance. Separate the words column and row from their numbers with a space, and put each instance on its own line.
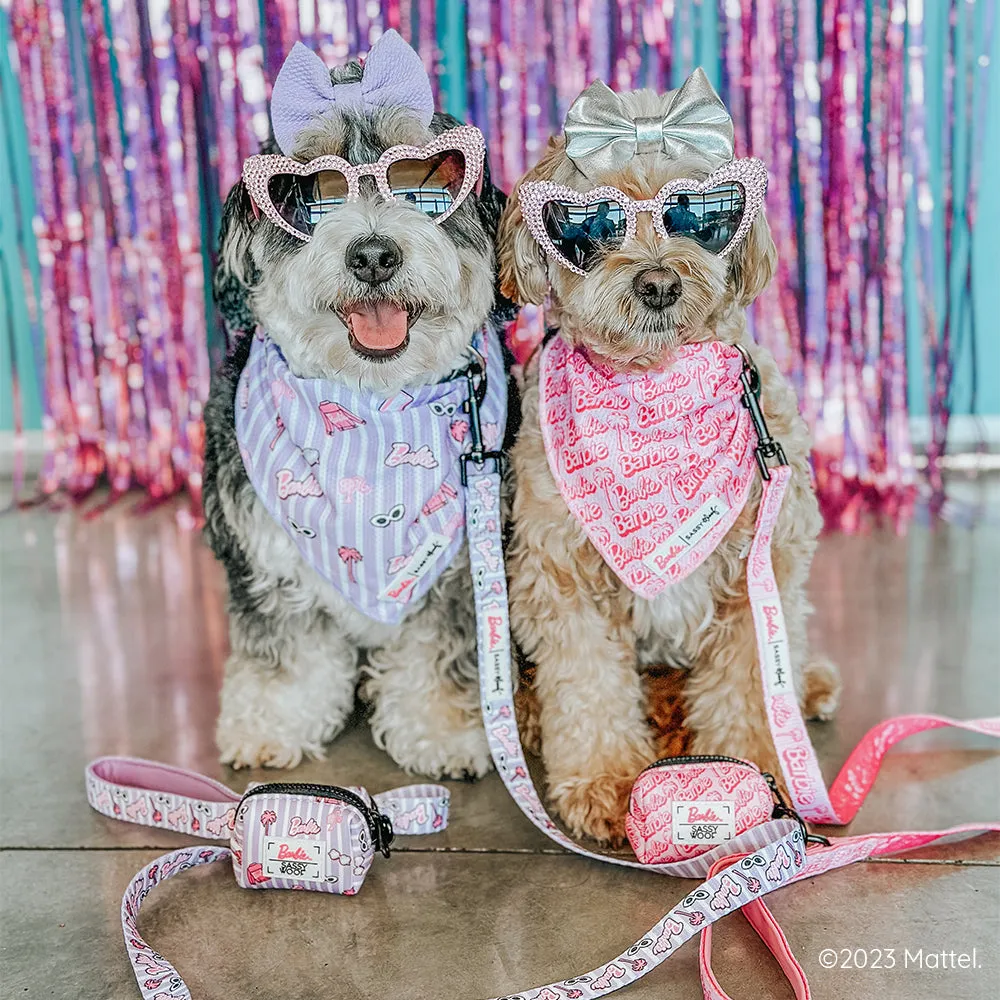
column 658, row 287
column 374, row 259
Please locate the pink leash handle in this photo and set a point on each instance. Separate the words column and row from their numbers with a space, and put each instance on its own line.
column 768, row 930
column 840, row 852
column 160, row 795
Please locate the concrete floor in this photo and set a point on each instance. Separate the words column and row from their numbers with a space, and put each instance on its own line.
column 113, row 638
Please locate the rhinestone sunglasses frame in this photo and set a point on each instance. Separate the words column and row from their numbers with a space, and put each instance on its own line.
column 749, row 172
column 466, row 139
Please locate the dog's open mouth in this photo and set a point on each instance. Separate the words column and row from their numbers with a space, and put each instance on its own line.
column 380, row 330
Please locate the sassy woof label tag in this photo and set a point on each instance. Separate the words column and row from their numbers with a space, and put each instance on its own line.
column 419, row 564
column 296, row 858
column 687, row 535
column 494, row 646
column 773, row 641
column 701, row 822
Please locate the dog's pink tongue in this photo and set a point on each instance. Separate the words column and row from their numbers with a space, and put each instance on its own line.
column 379, row 327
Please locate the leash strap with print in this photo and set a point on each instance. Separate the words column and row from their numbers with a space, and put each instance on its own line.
column 166, row 797
column 796, row 755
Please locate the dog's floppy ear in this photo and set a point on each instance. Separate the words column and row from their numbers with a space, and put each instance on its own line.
column 490, row 200
column 523, row 268
column 490, row 204
column 235, row 271
column 754, row 261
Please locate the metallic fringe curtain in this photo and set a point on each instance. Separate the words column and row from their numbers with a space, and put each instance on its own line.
column 139, row 113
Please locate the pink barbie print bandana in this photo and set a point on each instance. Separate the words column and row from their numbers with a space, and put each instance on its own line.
column 655, row 466
column 369, row 488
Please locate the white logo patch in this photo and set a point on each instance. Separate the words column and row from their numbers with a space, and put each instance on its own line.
column 702, row 822
column 419, row 564
column 296, row 858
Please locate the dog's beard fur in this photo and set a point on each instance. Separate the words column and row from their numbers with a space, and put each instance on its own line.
column 600, row 309
column 300, row 290
column 301, row 297
column 605, row 314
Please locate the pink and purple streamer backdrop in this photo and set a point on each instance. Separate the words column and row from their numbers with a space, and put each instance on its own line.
column 139, row 117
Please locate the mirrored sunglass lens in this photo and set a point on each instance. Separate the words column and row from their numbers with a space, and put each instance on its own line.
column 710, row 218
column 584, row 233
column 430, row 185
column 303, row 201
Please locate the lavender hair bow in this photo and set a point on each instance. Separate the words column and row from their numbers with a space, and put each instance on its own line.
column 601, row 136
column 393, row 76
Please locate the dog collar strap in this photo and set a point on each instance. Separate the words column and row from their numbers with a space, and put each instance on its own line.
column 656, row 466
column 367, row 487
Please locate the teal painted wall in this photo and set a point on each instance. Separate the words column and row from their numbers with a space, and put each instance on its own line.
column 985, row 241
column 15, row 213
column 16, row 271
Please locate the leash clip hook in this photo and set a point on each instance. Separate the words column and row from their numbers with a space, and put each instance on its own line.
column 767, row 448
column 783, row 810
column 475, row 377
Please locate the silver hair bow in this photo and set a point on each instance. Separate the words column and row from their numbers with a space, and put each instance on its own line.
column 600, row 135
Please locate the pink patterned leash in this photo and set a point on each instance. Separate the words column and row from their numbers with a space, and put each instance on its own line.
column 788, row 729
column 840, row 852
column 782, row 861
column 775, row 864
column 173, row 798
column 737, row 882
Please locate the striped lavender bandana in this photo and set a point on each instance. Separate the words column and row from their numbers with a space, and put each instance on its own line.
column 369, row 488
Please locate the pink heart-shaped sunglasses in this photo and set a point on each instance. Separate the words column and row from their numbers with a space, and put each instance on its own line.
column 435, row 179
column 577, row 228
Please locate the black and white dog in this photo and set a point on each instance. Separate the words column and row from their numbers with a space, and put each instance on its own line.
column 366, row 284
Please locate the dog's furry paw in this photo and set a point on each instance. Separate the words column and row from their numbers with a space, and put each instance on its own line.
column 254, row 741
column 595, row 807
column 269, row 719
column 460, row 752
column 252, row 753
column 822, row 687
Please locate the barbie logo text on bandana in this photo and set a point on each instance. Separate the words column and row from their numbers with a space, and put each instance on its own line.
column 655, row 466
column 369, row 488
